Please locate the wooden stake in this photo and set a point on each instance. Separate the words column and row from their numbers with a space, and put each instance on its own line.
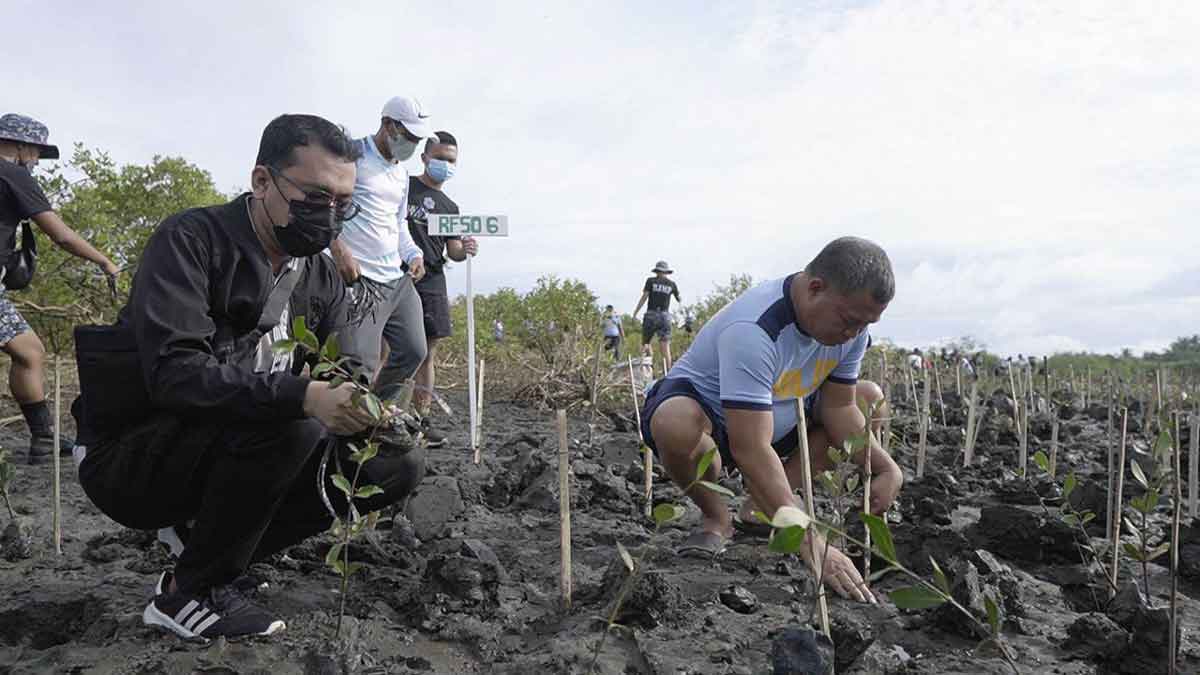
column 1108, row 446
column 1194, row 464
column 969, row 436
column 1115, row 512
column 925, row 417
column 1173, row 647
column 885, row 432
column 595, row 393
column 866, row 502
column 958, row 379
column 1012, row 383
column 1024, row 457
column 810, row 506
column 57, row 460
column 479, row 415
column 1053, row 443
column 937, row 385
column 564, row 509
column 647, row 456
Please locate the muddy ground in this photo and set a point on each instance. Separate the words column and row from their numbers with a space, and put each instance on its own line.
column 479, row 592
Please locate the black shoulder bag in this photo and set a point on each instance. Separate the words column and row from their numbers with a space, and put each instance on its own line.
column 112, row 385
column 22, row 262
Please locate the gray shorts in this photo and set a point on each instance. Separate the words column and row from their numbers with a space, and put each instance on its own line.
column 12, row 323
column 656, row 324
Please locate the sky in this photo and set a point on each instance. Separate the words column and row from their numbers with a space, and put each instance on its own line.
column 1031, row 168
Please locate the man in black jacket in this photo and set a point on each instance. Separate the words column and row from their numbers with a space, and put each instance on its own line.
column 234, row 436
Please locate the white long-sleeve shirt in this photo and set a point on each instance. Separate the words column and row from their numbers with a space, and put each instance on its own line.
column 378, row 236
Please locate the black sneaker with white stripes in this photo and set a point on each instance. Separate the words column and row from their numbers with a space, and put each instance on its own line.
column 223, row 611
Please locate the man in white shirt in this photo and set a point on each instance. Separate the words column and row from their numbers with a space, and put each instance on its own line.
column 376, row 254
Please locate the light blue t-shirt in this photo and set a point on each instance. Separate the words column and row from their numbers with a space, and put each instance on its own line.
column 752, row 355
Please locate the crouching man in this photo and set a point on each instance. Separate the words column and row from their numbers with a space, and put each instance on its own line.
column 799, row 337
column 187, row 413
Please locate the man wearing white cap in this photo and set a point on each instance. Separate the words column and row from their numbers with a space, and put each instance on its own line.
column 376, row 254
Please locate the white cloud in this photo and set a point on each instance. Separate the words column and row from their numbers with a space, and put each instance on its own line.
column 1031, row 167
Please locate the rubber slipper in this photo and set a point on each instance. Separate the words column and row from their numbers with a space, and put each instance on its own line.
column 702, row 543
column 753, row 528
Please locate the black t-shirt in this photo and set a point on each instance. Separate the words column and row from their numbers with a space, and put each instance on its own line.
column 20, row 199
column 660, row 289
column 423, row 200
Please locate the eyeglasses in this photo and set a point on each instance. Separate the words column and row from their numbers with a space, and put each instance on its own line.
column 343, row 209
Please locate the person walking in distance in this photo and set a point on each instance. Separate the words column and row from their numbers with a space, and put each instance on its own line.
column 614, row 332
column 656, row 295
column 22, row 144
column 426, row 196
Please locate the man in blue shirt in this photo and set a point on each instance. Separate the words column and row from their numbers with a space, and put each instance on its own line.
column 799, row 337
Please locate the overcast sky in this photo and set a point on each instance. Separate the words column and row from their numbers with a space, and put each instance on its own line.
column 1031, row 167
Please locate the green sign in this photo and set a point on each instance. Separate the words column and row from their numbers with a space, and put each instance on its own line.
column 453, row 225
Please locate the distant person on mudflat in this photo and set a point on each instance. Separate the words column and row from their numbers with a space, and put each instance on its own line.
column 801, row 337
column 22, row 144
column 656, row 295
column 614, row 332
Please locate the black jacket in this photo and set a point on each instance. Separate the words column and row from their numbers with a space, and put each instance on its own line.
column 198, row 293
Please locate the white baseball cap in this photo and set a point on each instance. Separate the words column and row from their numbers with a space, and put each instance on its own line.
column 407, row 111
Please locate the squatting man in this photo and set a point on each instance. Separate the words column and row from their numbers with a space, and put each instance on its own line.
column 799, row 337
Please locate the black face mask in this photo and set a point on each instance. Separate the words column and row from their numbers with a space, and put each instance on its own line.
column 310, row 228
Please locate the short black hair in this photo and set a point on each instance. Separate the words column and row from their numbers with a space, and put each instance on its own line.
column 608, row 307
column 287, row 132
column 852, row 264
column 443, row 138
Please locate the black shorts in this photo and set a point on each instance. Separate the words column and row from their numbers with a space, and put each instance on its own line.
column 435, row 305
column 668, row 388
column 612, row 342
column 656, row 324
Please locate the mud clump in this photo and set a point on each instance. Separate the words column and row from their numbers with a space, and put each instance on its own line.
column 435, row 504
column 801, row 651
column 1025, row 535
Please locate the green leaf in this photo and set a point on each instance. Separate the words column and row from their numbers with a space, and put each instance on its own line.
column 1138, row 473
column 367, row 491
column 283, row 346
column 706, row 461
column 1042, row 461
column 787, row 540
column 836, row 456
column 304, row 336
column 852, row 483
column 856, row 442
column 354, row 567
column 665, row 513
column 1069, row 485
column 1133, row 551
column 1070, row 519
column 1088, row 517
column 993, row 614
column 321, row 369
column 881, row 537
column 342, row 484
column 1133, row 528
column 1158, row 550
column 334, row 555
column 331, row 350
column 625, row 557
column 916, row 597
column 940, row 577
column 1163, row 444
column 366, row 454
column 339, row 566
column 719, row 489
column 762, row 517
column 371, row 401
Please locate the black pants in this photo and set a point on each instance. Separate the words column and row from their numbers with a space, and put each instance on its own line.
column 250, row 488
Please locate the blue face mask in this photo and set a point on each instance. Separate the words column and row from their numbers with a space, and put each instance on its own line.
column 440, row 170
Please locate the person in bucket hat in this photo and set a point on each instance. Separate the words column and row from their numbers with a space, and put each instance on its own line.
column 24, row 141
column 657, row 291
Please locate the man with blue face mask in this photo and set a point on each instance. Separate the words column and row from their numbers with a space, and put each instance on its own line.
column 426, row 196
column 377, row 256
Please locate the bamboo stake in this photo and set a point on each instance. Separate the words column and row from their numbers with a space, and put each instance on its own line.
column 595, row 393
column 479, row 413
column 564, row 510
column 885, row 386
column 1194, row 464
column 968, row 437
column 866, row 502
column 1053, row 444
column 1173, row 648
column 57, row 460
column 937, row 385
column 925, row 416
column 647, row 456
column 1115, row 513
column 1024, row 458
column 1012, row 383
column 1108, row 445
column 958, row 379
column 810, row 506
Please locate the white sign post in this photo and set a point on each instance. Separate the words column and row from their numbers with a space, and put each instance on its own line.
column 454, row 225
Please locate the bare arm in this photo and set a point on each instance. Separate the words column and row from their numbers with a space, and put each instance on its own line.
column 842, row 419
column 750, row 441
column 70, row 241
column 642, row 301
column 346, row 265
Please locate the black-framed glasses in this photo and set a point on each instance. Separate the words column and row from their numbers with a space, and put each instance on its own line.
column 343, row 209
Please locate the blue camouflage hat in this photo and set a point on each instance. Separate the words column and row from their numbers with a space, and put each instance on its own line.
column 22, row 129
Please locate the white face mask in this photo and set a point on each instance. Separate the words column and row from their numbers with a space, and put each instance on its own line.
column 401, row 148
